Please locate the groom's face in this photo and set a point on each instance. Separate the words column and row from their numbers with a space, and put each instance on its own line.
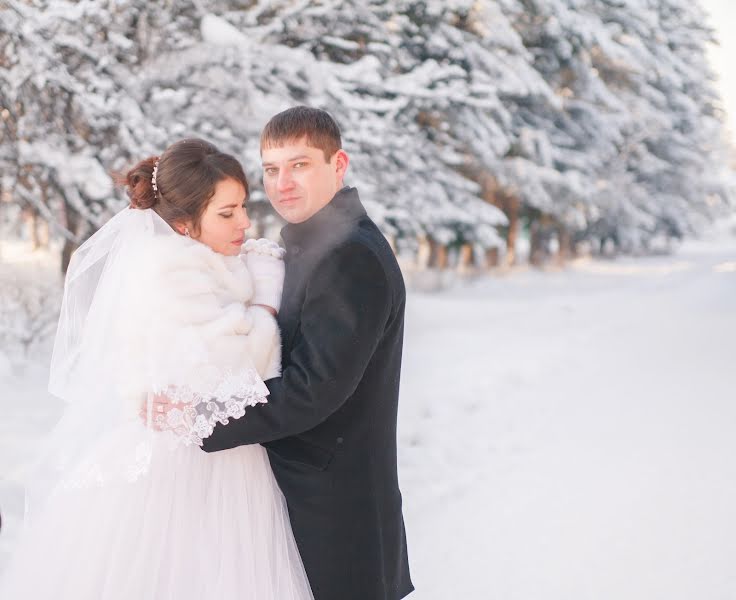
column 299, row 181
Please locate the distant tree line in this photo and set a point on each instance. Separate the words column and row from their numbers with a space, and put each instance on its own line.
column 575, row 124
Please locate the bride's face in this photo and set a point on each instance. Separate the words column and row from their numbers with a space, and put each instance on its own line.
column 225, row 220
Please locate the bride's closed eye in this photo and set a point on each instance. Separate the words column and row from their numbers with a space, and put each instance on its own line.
column 228, row 215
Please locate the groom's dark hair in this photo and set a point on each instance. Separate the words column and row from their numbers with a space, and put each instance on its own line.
column 316, row 125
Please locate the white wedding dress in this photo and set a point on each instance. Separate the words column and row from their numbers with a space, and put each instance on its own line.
column 119, row 511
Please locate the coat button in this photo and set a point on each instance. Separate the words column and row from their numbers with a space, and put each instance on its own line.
column 340, row 440
column 295, row 250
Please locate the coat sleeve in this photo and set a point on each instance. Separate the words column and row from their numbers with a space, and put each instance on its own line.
column 344, row 315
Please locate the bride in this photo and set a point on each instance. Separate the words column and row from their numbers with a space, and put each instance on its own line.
column 161, row 301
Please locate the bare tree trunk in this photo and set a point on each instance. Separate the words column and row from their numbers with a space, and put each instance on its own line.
column 66, row 254
column 423, row 253
column 31, row 218
column 536, row 252
column 437, row 254
column 508, row 203
column 492, row 258
column 465, row 260
column 72, row 224
column 44, row 235
column 512, row 204
column 566, row 250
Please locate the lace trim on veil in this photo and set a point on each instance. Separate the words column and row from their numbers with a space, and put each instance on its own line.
column 213, row 397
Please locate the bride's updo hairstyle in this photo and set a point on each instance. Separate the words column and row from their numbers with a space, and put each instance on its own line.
column 185, row 178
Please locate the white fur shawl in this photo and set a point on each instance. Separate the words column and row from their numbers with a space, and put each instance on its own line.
column 206, row 295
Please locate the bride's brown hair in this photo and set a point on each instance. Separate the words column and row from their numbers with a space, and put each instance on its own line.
column 187, row 174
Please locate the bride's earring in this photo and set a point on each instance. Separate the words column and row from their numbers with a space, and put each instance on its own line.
column 186, row 232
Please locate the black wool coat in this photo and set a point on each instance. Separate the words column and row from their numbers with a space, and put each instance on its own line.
column 330, row 422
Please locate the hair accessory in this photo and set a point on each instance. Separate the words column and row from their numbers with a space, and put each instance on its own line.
column 153, row 177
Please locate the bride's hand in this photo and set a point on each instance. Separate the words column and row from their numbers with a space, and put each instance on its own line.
column 265, row 263
column 160, row 406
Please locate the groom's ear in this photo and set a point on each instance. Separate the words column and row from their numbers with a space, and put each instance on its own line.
column 341, row 163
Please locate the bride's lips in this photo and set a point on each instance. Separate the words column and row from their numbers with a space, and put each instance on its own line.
column 238, row 242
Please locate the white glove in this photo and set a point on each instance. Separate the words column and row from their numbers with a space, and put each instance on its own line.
column 265, row 261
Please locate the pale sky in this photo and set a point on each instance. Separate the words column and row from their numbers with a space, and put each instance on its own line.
column 723, row 58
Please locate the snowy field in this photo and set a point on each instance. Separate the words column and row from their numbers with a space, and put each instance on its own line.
column 564, row 436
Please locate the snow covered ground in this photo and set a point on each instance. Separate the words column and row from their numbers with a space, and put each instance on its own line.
column 564, row 436
column 571, row 435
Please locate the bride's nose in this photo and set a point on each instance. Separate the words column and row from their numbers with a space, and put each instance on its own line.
column 244, row 222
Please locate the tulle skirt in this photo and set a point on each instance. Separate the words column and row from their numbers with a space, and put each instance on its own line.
column 194, row 526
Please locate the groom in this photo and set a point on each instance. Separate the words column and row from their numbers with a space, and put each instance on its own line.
column 330, row 422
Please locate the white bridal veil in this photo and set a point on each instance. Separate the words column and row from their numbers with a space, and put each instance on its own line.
column 139, row 318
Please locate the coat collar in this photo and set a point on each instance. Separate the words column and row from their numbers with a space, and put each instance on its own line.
column 344, row 208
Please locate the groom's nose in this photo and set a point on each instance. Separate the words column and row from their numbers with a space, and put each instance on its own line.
column 285, row 180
